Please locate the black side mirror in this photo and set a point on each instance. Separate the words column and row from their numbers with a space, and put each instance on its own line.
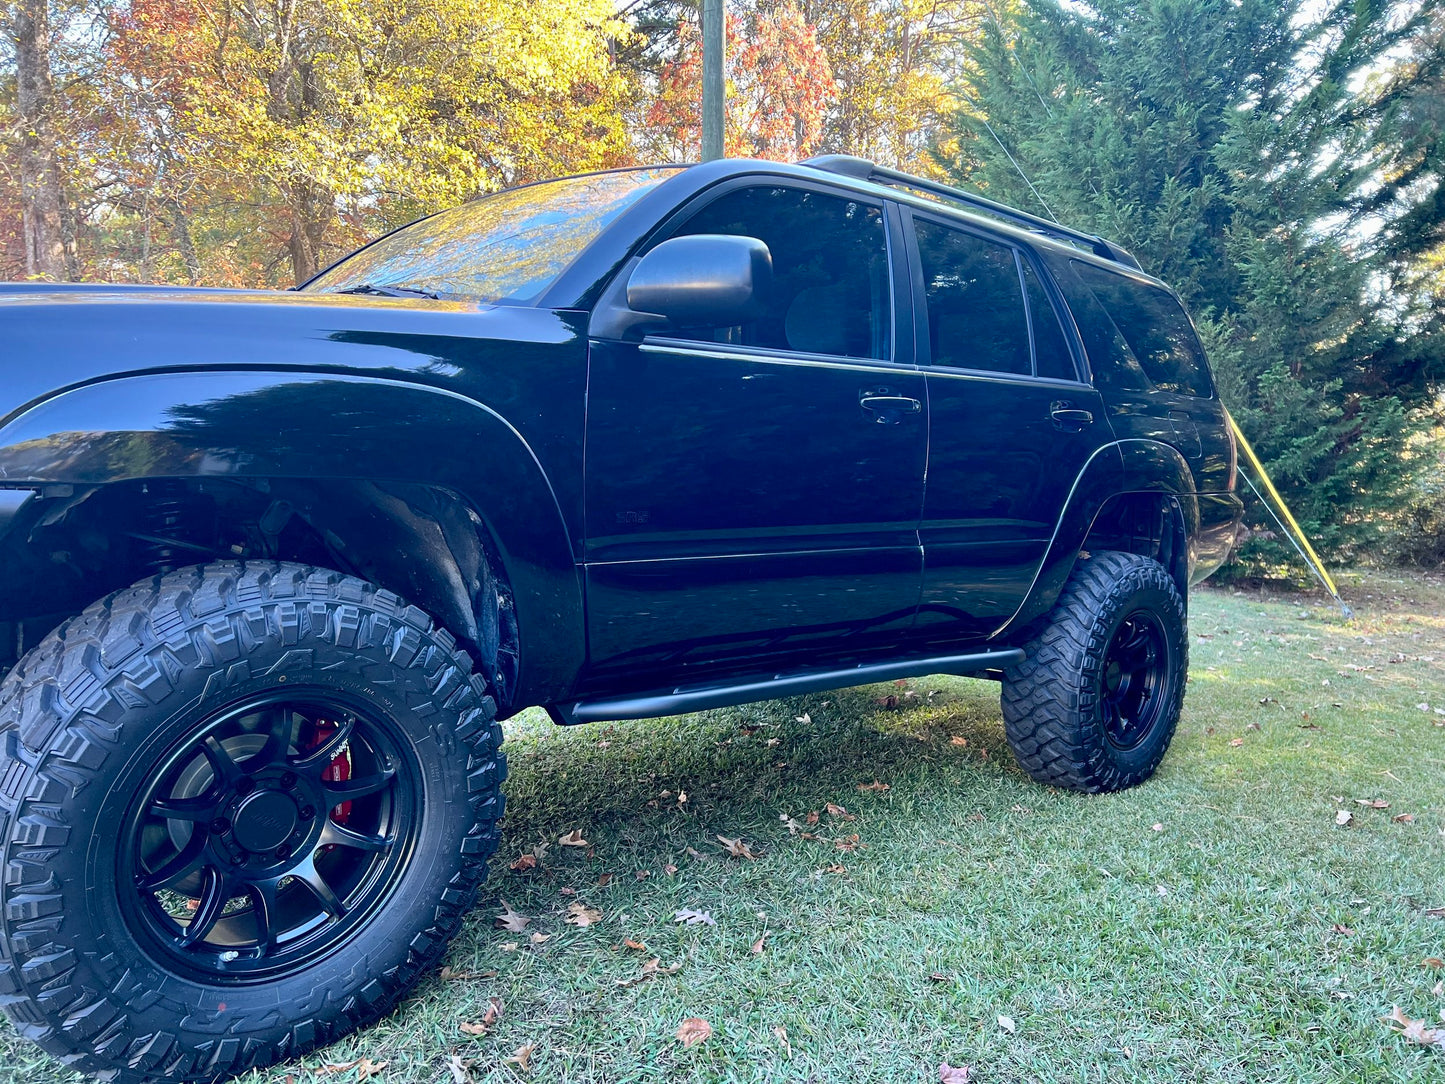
column 705, row 280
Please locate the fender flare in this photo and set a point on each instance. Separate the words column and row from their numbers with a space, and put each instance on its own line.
column 1116, row 469
column 252, row 424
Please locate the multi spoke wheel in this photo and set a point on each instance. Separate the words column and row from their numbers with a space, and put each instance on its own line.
column 269, row 834
column 1134, row 673
column 243, row 809
column 1095, row 703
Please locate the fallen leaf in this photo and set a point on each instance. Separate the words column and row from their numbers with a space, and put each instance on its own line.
column 839, row 812
column 737, row 848
column 1403, row 818
column 643, row 874
column 758, row 944
column 1162, row 890
column 604, row 880
column 1252, row 726
column 1343, row 817
column 635, row 946
column 669, row 869
column 521, row 1056
column 693, row 1030
column 579, row 914
column 805, row 718
column 693, row 918
column 566, row 892
column 1156, row 827
column 450, row 974
column 538, row 938
column 573, row 839
column 509, row 946
column 459, row 1069
column 953, row 1074
column 959, row 741
column 781, row 1033
column 510, row 920
column 1346, row 930
column 651, row 970
column 524, row 863
column 835, row 868
column 875, row 785
column 490, row 1017
column 1236, row 742
column 811, row 818
column 1372, row 803
column 1007, row 1023
column 1417, row 1031
column 681, row 798
column 1434, row 963
column 849, row 843
column 938, row 976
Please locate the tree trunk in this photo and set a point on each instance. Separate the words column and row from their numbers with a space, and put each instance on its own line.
column 42, row 202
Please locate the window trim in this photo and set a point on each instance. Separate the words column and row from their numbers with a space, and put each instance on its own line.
column 922, row 339
column 894, row 252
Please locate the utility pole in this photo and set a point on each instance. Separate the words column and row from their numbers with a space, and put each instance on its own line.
column 713, row 89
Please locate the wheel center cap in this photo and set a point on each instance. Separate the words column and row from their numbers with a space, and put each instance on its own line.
column 265, row 820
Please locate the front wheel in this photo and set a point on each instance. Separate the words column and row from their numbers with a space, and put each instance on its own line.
column 1096, row 701
column 243, row 807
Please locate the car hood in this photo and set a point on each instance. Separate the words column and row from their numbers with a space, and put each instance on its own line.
column 56, row 337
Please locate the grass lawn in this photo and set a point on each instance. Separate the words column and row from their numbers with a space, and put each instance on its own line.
column 1214, row 924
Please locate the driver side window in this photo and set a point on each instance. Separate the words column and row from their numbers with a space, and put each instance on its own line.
column 831, row 292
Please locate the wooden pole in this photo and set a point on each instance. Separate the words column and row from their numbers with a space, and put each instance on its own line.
column 713, row 89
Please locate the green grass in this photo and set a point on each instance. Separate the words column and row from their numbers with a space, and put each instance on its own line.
column 1205, row 950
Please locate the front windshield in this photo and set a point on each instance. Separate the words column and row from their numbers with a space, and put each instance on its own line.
column 507, row 247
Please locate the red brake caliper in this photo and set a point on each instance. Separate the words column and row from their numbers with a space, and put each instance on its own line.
column 315, row 735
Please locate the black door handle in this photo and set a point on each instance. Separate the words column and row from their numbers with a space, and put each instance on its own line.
column 1068, row 416
column 886, row 405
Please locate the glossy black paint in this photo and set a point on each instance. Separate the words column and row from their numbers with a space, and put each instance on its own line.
column 666, row 512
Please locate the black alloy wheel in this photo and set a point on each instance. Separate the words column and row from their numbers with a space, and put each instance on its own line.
column 269, row 835
column 244, row 807
column 1097, row 698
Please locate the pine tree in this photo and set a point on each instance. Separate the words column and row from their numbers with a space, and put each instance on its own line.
column 1268, row 159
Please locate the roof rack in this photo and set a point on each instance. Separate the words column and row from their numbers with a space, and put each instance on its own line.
column 849, row 165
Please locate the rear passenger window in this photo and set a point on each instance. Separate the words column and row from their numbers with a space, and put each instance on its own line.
column 976, row 317
column 1051, row 349
column 1154, row 325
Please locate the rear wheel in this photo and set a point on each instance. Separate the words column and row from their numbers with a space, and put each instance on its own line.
column 242, row 809
column 1095, row 703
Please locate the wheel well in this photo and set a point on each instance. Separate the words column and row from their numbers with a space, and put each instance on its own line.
column 1149, row 524
column 70, row 547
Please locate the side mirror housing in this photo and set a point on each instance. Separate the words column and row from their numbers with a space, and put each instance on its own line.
column 704, row 280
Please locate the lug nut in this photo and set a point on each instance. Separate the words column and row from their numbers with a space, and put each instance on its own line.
column 220, row 826
column 307, row 813
column 288, row 780
column 283, row 853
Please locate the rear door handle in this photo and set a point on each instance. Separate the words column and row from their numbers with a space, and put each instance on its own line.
column 885, row 405
column 1068, row 416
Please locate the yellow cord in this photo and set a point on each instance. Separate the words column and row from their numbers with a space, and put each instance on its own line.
column 1283, row 509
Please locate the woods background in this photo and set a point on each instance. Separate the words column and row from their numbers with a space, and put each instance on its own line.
column 1279, row 163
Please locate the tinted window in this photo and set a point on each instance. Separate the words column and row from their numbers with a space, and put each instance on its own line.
column 830, row 271
column 976, row 317
column 506, row 247
column 1051, row 349
column 1156, row 328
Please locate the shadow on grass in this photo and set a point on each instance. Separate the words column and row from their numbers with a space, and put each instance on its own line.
column 740, row 767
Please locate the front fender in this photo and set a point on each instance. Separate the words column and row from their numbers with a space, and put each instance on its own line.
column 276, row 425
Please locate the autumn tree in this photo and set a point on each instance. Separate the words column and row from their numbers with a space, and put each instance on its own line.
column 778, row 88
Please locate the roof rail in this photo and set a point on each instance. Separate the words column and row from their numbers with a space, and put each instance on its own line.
column 849, row 165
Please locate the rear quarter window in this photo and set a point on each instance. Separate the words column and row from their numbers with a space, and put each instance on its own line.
column 1157, row 337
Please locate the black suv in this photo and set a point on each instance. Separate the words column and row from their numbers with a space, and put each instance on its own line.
column 622, row 445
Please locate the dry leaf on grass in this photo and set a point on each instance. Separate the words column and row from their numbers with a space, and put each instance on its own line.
column 1403, row 818
column 512, row 921
column 579, row 914
column 758, row 944
column 651, row 970
column 524, row 863
column 693, row 1030
column 835, row 868
column 365, row 1068
column 636, row 946
column 1007, row 1023
column 953, row 1074
column 781, row 1033
column 694, row 918
column 958, row 740
column 522, row 1055
column 1372, row 803
column 1346, row 930
column 1343, row 817
column 938, row 976
column 1235, row 743
column 450, row 974
column 1417, row 1031
column 875, row 785
column 736, row 848
column 538, row 938
column 458, row 1069
column 849, row 843
column 1432, row 963
column 669, row 869
column 573, row 839
column 839, row 812
column 490, row 1017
